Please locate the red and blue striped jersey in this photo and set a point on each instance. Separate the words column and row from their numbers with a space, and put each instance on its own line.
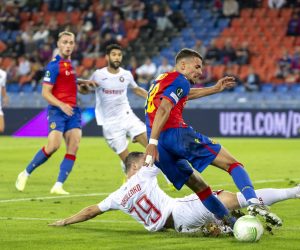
column 61, row 74
column 174, row 87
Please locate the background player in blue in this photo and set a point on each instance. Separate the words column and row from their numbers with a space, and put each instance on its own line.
column 64, row 117
column 172, row 142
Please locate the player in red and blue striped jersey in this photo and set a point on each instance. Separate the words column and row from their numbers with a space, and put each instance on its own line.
column 172, row 143
column 64, row 117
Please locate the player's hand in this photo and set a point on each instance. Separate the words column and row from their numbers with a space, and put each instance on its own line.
column 151, row 155
column 226, row 82
column 67, row 109
column 91, row 83
column 59, row 223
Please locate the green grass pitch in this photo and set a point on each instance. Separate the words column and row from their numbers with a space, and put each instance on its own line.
column 97, row 172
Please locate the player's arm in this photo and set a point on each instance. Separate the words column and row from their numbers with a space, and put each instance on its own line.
column 161, row 117
column 140, row 92
column 84, row 215
column 51, row 99
column 224, row 83
column 89, row 83
column 4, row 96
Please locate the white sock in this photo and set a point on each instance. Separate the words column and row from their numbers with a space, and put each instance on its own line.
column 26, row 173
column 58, row 184
column 270, row 196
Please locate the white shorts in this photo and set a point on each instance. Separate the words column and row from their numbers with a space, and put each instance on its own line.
column 189, row 214
column 1, row 112
column 116, row 134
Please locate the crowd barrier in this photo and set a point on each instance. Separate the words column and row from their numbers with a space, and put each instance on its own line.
column 212, row 122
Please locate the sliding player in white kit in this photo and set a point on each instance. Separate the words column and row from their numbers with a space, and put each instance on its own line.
column 144, row 201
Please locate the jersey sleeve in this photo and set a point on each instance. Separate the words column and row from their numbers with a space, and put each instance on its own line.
column 93, row 77
column 149, row 172
column 177, row 90
column 132, row 82
column 51, row 73
column 109, row 203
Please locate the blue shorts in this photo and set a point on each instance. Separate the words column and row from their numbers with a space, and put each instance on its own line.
column 178, row 147
column 58, row 120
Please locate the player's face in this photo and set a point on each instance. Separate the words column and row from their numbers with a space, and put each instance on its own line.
column 193, row 69
column 66, row 45
column 115, row 58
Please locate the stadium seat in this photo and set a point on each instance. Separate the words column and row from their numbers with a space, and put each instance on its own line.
column 295, row 88
column 281, row 88
column 267, row 88
column 100, row 62
column 27, row 88
column 88, row 63
column 13, row 87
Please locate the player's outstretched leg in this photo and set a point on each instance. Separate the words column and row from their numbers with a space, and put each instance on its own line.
column 298, row 193
column 40, row 157
column 65, row 169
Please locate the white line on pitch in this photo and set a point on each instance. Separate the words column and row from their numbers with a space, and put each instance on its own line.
column 104, row 221
column 54, row 219
column 102, row 194
column 53, row 197
column 259, row 181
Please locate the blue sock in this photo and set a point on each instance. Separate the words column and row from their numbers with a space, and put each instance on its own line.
column 212, row 203
column 38, row 160
column 242, row 181
column 66, row 167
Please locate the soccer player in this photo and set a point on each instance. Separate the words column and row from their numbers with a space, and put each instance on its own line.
column 3, row 95
column 172, row 142
column 144, row 201
column 64, row 117
column 113, row 111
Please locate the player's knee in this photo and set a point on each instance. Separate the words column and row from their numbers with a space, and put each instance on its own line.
column 234, row 165
column 51, row 149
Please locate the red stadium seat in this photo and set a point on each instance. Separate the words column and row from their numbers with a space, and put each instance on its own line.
column 246, row 13
column 79, row 70
column 88, row 63
column 132, row 34
column 218, row 71
column 100, row 62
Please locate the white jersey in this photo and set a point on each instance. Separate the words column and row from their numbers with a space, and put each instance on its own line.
column 111, row 95
column 3, row 77
column 142, row 199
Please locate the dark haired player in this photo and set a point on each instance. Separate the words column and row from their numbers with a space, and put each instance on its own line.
column 172, row 143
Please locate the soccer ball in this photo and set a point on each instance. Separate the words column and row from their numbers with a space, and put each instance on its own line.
column 248, row 228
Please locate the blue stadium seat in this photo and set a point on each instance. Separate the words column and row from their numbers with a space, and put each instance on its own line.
column 13, row 87
column 239, row 89
column 282, row 88
column 27, row 88
column 267, row 88
column 223, row 23
column 39, row 88
column 295, row 88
